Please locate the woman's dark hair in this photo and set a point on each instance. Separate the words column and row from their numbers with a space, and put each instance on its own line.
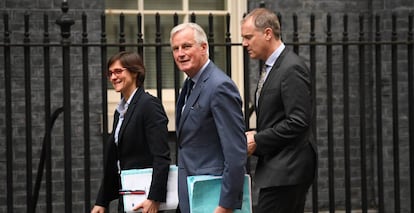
column 132, row 61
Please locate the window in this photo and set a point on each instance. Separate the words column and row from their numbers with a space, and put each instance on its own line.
column 166, row 9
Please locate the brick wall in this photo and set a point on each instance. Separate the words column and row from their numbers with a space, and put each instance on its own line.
column 36, row 10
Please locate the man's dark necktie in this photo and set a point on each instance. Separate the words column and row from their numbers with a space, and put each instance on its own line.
column 187, row 88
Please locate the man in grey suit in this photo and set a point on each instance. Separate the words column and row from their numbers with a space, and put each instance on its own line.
column 283, row 140
column 209, row 121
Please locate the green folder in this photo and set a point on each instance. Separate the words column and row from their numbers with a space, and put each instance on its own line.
column 204, row 194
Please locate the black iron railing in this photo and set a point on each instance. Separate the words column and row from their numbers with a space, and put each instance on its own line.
column 362, row 86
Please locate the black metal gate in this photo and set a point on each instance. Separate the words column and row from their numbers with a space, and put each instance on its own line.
column 363, row 89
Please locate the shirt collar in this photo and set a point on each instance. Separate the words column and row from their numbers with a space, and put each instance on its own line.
column 123, row 105
column 197, row 76
column 272, row 58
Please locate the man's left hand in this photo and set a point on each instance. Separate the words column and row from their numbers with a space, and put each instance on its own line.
column 251, row 144
column 220, row 209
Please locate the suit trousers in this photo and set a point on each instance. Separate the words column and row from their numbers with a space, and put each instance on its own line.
column 120, row 204
column 282, row 199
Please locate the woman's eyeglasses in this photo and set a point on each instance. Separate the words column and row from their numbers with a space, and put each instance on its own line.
column 116, row 71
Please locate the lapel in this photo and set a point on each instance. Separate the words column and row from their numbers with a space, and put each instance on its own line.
column 195, row 94
column 272, row 73
column 130, row 112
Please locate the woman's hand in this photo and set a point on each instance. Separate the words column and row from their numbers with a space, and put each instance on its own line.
column 148, row 206
column 98, row 209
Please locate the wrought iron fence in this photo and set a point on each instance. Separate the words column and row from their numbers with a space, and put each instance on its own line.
column 362, row 85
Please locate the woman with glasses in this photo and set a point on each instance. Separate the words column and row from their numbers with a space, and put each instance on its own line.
column 139, row 138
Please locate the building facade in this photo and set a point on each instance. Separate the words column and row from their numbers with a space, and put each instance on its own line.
column 26, row 104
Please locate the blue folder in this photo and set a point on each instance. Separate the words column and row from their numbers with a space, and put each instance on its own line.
column 204, row 194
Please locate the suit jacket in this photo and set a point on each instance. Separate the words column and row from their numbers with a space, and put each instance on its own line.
column 142, row 143
column 211, row 137
column 285, row 142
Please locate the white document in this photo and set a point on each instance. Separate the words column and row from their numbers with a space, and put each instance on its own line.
column 140, row 179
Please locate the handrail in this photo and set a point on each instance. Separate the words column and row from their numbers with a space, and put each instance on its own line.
column 39, row 176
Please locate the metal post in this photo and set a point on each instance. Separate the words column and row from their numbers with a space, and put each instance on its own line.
column 8, row 114
column 65, row 22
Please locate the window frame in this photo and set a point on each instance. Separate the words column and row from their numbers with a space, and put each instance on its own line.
column 236, row 9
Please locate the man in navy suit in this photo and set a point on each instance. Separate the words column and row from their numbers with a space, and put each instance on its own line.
column 283, row 140
column 209, row 126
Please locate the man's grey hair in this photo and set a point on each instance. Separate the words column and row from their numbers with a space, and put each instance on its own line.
column 200, row 36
